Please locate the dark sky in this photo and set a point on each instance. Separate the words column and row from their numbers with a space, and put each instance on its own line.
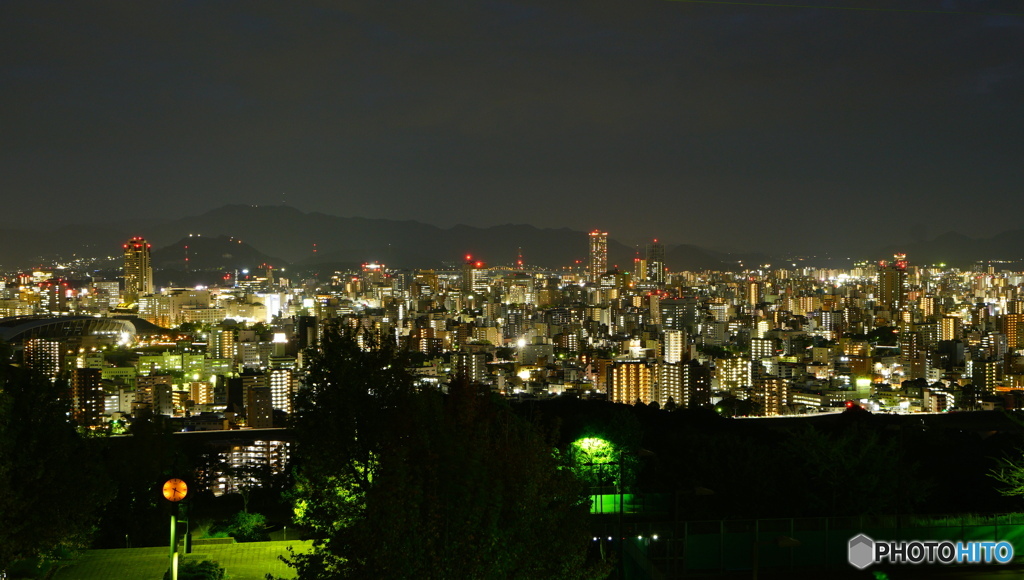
column 721, row 125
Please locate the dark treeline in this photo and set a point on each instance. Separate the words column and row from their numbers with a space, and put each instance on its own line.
column 852, row 463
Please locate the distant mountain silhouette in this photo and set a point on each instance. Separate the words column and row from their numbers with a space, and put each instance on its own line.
column 285, row 235
column 291, row 234
column 211, row 253
column 315, row 239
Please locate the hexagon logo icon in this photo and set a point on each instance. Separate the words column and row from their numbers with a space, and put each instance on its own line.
column 861, row 552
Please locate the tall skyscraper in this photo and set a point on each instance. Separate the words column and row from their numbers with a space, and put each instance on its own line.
column 656, row 263
column 138, row 272
column 892, row 283
column 598, row 256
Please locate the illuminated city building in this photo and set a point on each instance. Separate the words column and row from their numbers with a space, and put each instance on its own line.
column 283, row 384
column 155, row 391
column 472, row 366
column 639, row 269
column 201, row 392
column 674, row 346
column 474, row 277
column 761, row 348
column 155, row 308
column 1013, row 328
column 912, row 354
column 753, row 294
column 950, row 328
column 671, row 384
column 237, row 465
column 138, row 270
column 87, row 397
column 598, row 263
column 259, row 410
column 892, row 283
column 733, row 373
column 583, row 326
column 43, row 356
column 771, row 394
column 697, row 384
column 632, row 381
column 656, row 263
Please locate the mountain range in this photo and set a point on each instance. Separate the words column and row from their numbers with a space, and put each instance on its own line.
column 245, row 236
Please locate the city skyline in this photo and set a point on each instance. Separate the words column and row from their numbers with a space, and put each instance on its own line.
column 723, row 125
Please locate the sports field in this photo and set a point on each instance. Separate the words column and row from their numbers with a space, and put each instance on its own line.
column 250, row 561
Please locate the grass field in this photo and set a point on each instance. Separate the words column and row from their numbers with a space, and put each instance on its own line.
column 250, row 561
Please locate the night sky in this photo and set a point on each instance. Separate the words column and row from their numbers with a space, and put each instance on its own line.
column 723, row 125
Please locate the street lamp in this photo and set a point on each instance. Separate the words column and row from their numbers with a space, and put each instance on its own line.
column 174, row 491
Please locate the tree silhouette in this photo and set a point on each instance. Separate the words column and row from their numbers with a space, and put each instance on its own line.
column 397, row 482
column 53, row 485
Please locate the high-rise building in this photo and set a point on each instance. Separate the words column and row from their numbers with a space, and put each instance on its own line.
column 155, row 308
column 679, row 313
column 86, row 397
column 985, row 375
column 474, row 277
column 771, row 394
column 753, row 295
column 950, row 328
column 639, row 269
column 138, row 271
column 697, row 384
column 632, row 381
column 761, row 348
column 283, row 384
column 472, row 366
column 1013, row 328
column 43, row 356
column 656, row 263
column 733, row 373
column 598, row 256
column 912, row 354
column 674, row 346
column 259, row 411
column 670, row 384
column 892, row 283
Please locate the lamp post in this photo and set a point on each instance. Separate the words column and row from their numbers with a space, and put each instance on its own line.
column 174, row 491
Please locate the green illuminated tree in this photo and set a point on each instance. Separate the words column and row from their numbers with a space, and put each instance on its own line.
column 1009, row 471
column 596, row 461
column 400, row 483
column 52, row 485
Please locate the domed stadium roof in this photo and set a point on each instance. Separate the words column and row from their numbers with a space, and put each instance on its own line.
column 21, row 328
